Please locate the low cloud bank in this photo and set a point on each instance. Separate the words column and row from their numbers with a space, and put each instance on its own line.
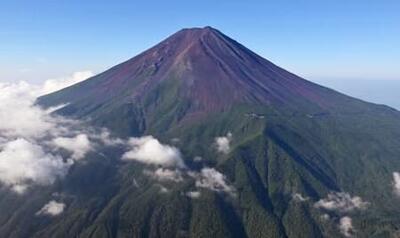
column 52, row 208
column 19, row 117
column 30, row 137
column 23, row 162
column 38, row 147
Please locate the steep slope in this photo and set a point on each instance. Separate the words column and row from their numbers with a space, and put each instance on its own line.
column 293, row 143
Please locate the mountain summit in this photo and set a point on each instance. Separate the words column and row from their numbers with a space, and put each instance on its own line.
column 262, row 152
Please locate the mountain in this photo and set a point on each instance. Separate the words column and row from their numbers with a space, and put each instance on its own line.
column 302, row 161
column 194, row 72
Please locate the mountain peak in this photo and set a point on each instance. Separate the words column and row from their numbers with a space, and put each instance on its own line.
column 202, row 30
column 206, row 69
column 189, row 36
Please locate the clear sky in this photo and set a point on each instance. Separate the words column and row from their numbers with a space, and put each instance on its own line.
column 317, row 39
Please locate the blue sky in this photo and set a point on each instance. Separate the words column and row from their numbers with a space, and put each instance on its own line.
column 315, row 39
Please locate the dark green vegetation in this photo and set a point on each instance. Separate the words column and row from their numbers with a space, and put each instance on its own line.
column 289, row 136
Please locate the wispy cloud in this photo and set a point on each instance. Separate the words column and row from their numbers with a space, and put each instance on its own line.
column 105, row 137
column 346, row 226
column 149, row 150
column 78, row 145
column 396, row 183
column 197, row 159
column 52, row 208
column 164, row 174
column 299, row 198
column 52, row 85
column 193, row 194
column 341, row 202
column 163, row 189
column 210, row 178
column 223, row 143
column 325, row 217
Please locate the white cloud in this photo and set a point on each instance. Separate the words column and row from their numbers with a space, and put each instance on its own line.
column 346, row 226
column 212, row 179
column 197, row 159
column 299, row 198
column 55, row 108
column 163, row 189
column 18, row 115
column 52, row 85
column 30, row 139
column 21, row 119
column 107, row 139
column 341, row 202
column 149, row 150
column 325, row 217
column 135, row 183
column 52, row 208
column 27, row 154
column 22, row 162
column 193, row 194
column 175, row 140
column 223, row 143
column 78, row 145
column 163, row 174
column 396, row 183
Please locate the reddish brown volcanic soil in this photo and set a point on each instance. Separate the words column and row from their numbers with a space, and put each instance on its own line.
column 210, row 71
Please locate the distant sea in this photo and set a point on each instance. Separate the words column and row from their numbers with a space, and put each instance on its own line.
column 376, row 91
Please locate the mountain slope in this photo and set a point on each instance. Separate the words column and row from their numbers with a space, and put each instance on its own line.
column 196, row 71
column 293, row 143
